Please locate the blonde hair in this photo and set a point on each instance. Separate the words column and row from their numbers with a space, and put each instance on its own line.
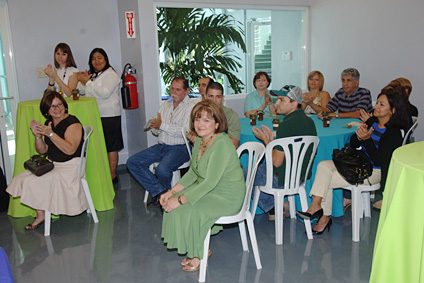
column 321, row 79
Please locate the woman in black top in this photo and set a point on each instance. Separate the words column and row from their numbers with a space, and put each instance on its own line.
column 58, row 191
column 378, row 137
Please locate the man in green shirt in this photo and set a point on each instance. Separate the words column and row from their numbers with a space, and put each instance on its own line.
column 295, row 123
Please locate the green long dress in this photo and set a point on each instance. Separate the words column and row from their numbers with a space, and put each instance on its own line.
column 214, row 187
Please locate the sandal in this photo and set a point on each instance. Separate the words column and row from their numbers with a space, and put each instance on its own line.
column 33, row 227
column 190, row 268
column 187, row 260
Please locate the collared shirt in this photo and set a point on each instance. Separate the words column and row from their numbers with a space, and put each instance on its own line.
column 360, row 99
column 173, row 120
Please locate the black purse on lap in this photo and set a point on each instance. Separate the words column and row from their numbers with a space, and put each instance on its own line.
column 39, row 165
column 354, row 165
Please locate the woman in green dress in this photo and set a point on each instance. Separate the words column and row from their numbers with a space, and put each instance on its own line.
column 213, row 187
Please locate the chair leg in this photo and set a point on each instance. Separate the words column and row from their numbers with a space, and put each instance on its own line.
column 304, row 205
column 176, row 176
column 356, row 213
column 47, row 221
column 243, row 236
column 255, row 202
column 204, row 261
column 146, row 196
column 279, row 206
column 253, row 240
column 292, row 205
column 366, row 204
column 89, row 200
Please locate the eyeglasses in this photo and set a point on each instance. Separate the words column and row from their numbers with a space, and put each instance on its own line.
column 54, row 107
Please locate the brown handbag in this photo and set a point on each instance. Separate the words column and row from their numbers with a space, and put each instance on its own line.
column 39, row 165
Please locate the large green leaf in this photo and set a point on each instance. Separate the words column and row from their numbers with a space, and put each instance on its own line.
column 196, row 45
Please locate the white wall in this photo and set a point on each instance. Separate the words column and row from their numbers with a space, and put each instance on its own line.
column 383, row 39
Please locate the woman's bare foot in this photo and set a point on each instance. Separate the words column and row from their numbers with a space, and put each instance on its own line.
column 187, row 260
column 37, row 222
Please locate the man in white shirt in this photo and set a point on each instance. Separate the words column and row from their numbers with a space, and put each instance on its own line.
column 170, row 152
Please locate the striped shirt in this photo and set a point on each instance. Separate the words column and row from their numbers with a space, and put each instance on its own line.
column 376, row 136
column 360, row 99
column 173, row 120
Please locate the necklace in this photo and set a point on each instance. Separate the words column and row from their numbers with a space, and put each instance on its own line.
column 64, row 74
column 204, row 145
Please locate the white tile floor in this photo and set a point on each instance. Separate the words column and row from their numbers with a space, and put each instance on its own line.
column 125, row 246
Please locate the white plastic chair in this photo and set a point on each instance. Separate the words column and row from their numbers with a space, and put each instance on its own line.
column 410, row 133
column 176, row 175
column 256, row 151
column 87, row 132
column 292, row 185
column 360, row 205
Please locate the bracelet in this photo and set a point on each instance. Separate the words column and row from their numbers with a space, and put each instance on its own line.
column 359, row 139
column 173, row 192
column 51, row 134
column 51, row 84
column 179, row 200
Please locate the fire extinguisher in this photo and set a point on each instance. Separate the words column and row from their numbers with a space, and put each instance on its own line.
column 129, row 88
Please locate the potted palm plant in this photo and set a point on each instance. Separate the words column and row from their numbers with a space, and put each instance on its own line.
column 195, row 45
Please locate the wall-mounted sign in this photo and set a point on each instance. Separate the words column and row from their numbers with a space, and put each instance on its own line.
column 130, row 22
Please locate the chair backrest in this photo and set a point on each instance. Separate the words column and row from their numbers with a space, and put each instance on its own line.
column 256, row 151
column 183, row 132
column 410, row 132
column 87, row 133
column 295, row 149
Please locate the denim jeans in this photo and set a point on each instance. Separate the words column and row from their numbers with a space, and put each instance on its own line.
column 266, row 201
column 170, row 157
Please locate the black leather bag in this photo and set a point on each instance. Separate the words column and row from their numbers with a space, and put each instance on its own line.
column 39, row 165
column 354, row 165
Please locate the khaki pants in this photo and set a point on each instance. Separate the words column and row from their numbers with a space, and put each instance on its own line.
column 327, row 178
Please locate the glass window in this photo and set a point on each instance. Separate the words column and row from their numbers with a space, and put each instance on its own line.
column 275, row 43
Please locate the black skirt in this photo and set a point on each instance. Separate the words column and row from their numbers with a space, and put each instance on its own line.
column 113, row 133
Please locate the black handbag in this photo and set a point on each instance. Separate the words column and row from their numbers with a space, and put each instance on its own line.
column 39, row 165
column 354, row 165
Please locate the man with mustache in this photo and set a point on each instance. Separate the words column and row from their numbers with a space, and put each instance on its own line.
column 170, row 152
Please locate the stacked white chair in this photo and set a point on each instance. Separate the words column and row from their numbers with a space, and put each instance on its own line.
column 256, row 152
column 410, row 133
column 292, row 185
column 87, row 132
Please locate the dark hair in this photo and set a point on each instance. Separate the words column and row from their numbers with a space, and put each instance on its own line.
column 90, row 63
column 47, row 101
column 213, row 110
column 210, row 80
column 70, row 62
column 216, row 86
column 258, row 76
column 396, row 101
column 183, row 80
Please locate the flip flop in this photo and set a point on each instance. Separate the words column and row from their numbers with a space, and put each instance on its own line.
column 33, row 227
column 187, row 260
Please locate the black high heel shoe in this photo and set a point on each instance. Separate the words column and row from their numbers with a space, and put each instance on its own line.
column 329, row 223
column 307, row 216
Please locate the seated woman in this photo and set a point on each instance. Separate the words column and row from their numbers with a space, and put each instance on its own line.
column 316, row 99
column 58, row 191
column 378, row 137
column 213, row 187
column 259, row 100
